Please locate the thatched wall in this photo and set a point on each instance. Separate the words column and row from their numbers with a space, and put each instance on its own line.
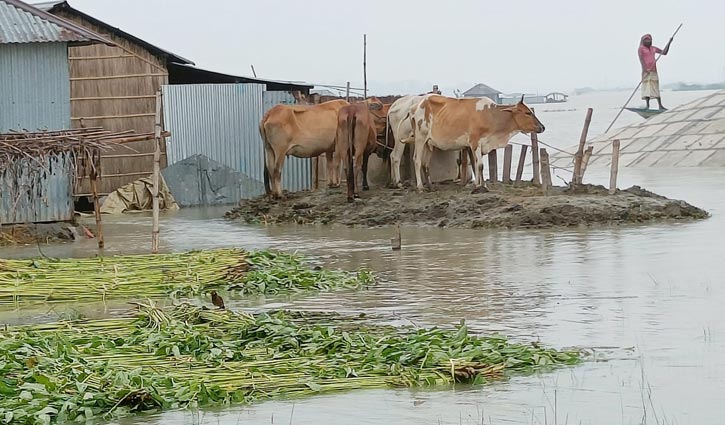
column 115, row 88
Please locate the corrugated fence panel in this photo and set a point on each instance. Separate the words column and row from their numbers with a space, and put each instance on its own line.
column 221, row 121
column 297, row 172
column 37, row 190
column 34, row 87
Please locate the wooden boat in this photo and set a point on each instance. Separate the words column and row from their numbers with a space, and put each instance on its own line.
column 646, row 113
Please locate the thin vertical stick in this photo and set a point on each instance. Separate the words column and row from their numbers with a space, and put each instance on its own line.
column 577, row 177
column 545, row 172
column 508, row 152
column 535, row 157
column 615, row 167
column 155, row 178
column 347, row 92
column 522, row 163
column 585, row 162
column 492, row 166
column 95, row 169
column 365, row 65
column 396, row 241
column 254, row 72
column 315, row 173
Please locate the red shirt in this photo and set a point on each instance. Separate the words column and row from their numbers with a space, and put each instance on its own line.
column 647, row 58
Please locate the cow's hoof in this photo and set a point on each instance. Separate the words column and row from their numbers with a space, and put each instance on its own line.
column 366, row 188
column 350, row 200
column 480, row 189
column 356, row 196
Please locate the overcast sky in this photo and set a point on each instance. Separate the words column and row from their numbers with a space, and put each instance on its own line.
column 514, row 46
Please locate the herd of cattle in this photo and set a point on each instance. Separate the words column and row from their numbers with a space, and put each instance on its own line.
column 347, row 134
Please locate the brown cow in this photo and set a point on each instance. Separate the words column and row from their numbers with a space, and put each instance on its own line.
column 304, row 131
column 356, row 140
column 454, row 124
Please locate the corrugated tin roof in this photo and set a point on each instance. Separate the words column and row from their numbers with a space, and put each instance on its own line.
column 481, row 89
column 23, row 23
column 195, row 75
column 55, row 7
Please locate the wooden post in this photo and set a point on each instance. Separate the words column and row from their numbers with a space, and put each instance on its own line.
column 508, row 152
column 615, row 167
column 396, row 241
column 365, row 65
column 545, row 172
column 585, row 162
column 493, row 166
column 155, row 178
column 347, row 92
column 522, row 163
column 579, row 156
column 95, row 170
column 535, row 157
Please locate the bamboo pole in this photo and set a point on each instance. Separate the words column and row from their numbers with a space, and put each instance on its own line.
column 113, row 77
column 508, row 152
column 110, row 117
column 493, row 166
column 585, row 162
column 577, row 177
column 535, row 158
column 615, row 167
column 545, row 172
column 365, row 65
column 347, row 92
column 157, row 169
column 95, row 171
column 522, row 163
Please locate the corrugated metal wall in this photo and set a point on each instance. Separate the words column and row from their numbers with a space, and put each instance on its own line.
column 34, row 87
column 221, row 121
column 37, row 191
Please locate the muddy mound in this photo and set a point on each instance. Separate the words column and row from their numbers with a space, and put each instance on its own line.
column 450, row 205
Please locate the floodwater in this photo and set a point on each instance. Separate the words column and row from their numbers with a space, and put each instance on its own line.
column 646, row 298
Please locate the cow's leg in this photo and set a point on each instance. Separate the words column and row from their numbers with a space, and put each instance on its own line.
column 277, row 173
column 418, row 161
column 359, row 159
column 479, row 167
column 428, row 155
column 365, row 185
column 333, row 177
column 268, row 169
column 396, row 157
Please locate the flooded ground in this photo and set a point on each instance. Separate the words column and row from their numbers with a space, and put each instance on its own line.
column 647, row 298
column 649, row 295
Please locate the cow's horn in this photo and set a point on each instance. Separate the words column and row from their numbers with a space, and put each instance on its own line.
column 522, row 98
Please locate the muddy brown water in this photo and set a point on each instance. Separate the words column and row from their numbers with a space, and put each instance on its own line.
column 647, row 298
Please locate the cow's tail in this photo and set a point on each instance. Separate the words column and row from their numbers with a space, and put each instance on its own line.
column 351, row 124
column 265, row 157
column 387, row 149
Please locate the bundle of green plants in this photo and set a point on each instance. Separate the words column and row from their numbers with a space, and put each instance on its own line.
column 44, row 280
column 188, row 356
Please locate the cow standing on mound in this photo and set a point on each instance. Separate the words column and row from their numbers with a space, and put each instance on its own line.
column 304, row 131
column 453, row 124
column 356, row 140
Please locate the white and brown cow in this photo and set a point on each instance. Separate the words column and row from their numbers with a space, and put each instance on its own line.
column 452, row 124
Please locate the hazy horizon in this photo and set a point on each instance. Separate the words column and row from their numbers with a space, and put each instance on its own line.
column 528, row 47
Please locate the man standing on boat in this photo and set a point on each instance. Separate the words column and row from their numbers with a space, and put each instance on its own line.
column 650, row 79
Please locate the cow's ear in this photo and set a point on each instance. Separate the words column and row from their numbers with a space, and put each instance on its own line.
column 375, row 106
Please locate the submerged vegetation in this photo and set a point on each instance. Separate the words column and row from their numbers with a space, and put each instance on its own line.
column 187, row 356
column 156, row 276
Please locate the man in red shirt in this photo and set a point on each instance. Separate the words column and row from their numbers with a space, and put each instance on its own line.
column 650, row 79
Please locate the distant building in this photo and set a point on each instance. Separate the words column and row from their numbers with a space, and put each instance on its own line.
column 482, row 90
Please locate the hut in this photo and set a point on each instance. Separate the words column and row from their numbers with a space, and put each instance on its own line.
column 483, row 90
column 114, row 87
column 690, row 135
column 34, row 75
